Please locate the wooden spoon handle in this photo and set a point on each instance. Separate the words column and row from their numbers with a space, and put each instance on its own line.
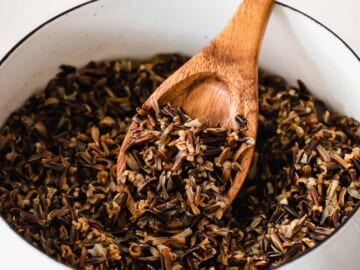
column 231, row 55
column 241, row 38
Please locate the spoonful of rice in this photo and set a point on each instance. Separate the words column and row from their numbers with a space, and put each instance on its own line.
column 191, row 144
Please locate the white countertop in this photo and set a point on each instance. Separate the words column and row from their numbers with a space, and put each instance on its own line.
column 19, row 17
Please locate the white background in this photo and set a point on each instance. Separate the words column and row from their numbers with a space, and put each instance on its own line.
column 19, row 17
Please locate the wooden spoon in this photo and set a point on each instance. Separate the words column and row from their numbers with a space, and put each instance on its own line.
column 218, row 83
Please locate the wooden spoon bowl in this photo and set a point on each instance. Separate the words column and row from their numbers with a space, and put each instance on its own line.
column 219, row 83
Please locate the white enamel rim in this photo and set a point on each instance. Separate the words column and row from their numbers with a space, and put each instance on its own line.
column 337, row 251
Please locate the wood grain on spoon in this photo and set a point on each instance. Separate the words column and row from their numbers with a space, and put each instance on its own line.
column 219, row 83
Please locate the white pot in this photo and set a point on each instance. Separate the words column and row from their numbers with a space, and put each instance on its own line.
column 295, row 46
